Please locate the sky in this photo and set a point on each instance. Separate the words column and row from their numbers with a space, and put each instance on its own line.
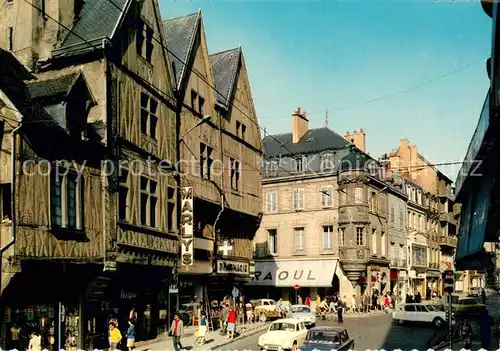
column 397, row 69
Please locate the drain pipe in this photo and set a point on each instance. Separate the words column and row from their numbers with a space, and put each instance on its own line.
column 14, row 133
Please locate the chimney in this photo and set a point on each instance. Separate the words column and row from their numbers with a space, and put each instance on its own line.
column 357, row 138
column 300, row 125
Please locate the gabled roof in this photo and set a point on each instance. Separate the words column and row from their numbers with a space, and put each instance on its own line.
column 225, row 69
column 59, row 86
column 315, row 140
column 180, row 34
column 98, row 19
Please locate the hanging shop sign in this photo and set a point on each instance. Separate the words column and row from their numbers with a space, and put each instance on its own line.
column 232, row 267
column 187, row 239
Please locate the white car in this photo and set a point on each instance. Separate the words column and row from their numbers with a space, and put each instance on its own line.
column 283, row 334
column 304, row 314
column 420, row 313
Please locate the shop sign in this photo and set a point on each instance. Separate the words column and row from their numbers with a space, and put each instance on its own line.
column 232, row 267
column 126, row 295
column 187, row 239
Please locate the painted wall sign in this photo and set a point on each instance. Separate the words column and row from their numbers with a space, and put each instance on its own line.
column 306, row 273
column 187, row 239
column 233, row 267
column 126, row 295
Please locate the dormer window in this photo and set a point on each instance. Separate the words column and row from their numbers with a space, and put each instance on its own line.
column 144, row 40
column 327, row 162
column 271, row 168
column 299, row 164
column 67, row 99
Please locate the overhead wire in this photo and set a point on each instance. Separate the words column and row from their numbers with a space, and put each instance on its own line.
column 192, row 70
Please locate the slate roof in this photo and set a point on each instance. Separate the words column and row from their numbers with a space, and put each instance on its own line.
column 97, row 20
column 180, row 34
column 59, row 86
column 356, row 160
column 314, row 141
column 225, row 69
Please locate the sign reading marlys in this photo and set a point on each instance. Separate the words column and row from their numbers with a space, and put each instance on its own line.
column 233, row 267
column 187, row 239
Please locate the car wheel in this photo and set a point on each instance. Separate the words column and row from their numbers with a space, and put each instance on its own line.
column 294, row 346
column 263, row 317
column 438, row 322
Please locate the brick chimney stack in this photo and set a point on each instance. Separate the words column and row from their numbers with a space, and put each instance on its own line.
column 300, row 125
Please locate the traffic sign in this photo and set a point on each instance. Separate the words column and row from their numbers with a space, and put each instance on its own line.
column 449, row 281
column 296, row 287
column 236, row 292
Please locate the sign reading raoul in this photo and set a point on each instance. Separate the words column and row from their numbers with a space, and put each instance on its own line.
column 187, row 239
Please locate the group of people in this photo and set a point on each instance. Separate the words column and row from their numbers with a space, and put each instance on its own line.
column 115, row 336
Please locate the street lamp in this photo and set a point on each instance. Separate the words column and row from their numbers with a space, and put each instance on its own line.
column 200, row 122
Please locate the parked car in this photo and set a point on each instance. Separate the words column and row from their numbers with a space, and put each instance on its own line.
column 304, row 314
column 474, row 291
column 466, row 305
column 265, row 309
column 286, row 334
column 186, row 311
column 327, row 339
column 420, row 313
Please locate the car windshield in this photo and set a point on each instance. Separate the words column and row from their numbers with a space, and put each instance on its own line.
column 432, row 308
column 323, row 337
column 300, row 309
column 280, row 326
column 272, row 302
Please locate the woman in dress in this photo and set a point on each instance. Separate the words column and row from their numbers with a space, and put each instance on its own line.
column 231, row 323
column 131, row 334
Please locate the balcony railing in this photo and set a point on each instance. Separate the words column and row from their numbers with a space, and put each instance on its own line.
column 446, row 240
column 447, row 217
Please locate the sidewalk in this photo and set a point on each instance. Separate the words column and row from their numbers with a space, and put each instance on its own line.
column 214, row 339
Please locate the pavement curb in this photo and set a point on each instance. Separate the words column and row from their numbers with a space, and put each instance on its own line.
column 230, row 341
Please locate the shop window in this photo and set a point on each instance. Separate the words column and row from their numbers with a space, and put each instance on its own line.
column 66, row 199
column 149, row 200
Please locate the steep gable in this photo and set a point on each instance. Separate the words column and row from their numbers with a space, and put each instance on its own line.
column 180, row 34
column 225, row 66
column 97, row 20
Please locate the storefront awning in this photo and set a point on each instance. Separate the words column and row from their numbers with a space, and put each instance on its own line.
column 288, row 273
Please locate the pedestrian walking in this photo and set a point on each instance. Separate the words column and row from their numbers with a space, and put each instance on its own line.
column 483, row 296
column 340, row 311
column 131, row 334
column 308, row 301
column 249, row 310
column 223, row 319
column 35, row 342
column 114, row 337
column 176, row 330
column 231, row 323
column 485, row 324
column 201, row 333
column 465, row 333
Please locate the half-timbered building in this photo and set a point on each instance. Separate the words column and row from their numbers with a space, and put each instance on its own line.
column 93, row 227
column 220, row 151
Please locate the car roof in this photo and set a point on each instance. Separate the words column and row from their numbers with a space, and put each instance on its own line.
column 331, row 329
column 287, row 320
column 300, row 306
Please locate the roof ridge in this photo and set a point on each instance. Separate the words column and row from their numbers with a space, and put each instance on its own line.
column 181, row 17
column 223, row 51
